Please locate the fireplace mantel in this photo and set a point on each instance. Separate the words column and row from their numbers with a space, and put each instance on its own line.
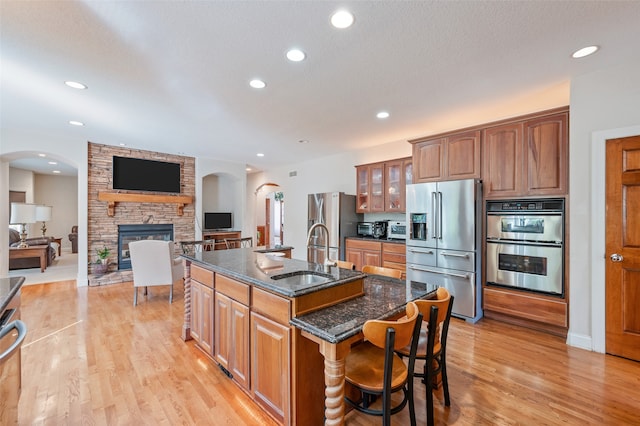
column 112, row 198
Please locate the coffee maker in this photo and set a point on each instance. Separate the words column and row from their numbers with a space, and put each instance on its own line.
column 380, row 229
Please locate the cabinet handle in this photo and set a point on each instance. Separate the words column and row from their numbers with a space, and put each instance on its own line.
column 463, row 276
column 420, row 251
column 465, row 256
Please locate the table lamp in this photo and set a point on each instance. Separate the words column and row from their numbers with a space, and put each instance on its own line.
column 21, row 214
column 43, row 214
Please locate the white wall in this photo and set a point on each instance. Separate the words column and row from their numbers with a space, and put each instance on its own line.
column 61, row 193
column 23, row 181
column 604, row 104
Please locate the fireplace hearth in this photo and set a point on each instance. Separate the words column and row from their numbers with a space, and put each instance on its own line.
column 130, row 233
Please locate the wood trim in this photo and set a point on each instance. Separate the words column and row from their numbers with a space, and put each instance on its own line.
column 118, row 197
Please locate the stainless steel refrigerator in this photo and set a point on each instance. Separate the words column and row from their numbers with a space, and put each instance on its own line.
column 337, row 211
column 444, row 227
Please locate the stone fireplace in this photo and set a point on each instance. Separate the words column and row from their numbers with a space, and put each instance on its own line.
column 130, row 233
column 108, row 210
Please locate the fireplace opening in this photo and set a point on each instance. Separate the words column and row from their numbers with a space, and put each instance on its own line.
column 130, row 233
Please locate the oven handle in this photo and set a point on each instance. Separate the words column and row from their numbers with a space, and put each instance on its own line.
column 465, row 256
column 463, row 276
column 434, row 207
column 523, row 242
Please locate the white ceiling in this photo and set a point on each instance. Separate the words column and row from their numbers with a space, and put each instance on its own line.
column 172, row 76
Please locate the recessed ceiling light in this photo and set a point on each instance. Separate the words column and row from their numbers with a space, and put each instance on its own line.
column 123, row 144
column 75, row 85
column 585, row 51
column 382, row 114
column 342, row 19
column 53, row 163
column 57, row 172
column 260, row 154
column 42, row 155
column 248, row 169
column 296, row 55
column 76, row 123
column 257, row 84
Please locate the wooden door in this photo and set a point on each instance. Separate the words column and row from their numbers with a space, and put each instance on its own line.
column 545, row 151
column 463, row 156
column 503, row 161
column 222, row 329
column 428, row 159
column 270, row 366
column 239, row 359
column 623, row 241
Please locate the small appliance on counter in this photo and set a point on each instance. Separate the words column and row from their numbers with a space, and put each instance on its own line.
column 396, row 230
column 365, row 229
column 380, row 229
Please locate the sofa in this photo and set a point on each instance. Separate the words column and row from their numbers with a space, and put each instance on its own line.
column 73, row 237
column 30, row 262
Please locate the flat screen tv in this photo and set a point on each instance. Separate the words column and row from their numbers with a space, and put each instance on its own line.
column 218, row 221
column 145, row 175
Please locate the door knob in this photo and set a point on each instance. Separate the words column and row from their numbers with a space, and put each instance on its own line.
column 615, row 257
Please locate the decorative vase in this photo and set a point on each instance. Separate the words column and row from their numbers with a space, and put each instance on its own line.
column 101, row 267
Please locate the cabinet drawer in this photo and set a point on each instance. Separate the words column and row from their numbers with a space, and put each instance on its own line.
column 234, row 289
column 394, row 248
column 364, row 245
column 526, row 306
column 272, row 306
column 203, row 276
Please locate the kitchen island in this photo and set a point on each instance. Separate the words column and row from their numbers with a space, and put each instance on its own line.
column 281, row 328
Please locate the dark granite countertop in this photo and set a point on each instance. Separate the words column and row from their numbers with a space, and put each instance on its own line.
column 271, row 249
column 384, row 297
column 380, row 240
column 9, row 287
column 257, row 269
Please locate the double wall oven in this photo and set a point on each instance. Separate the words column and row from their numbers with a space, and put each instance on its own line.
column 525, row 245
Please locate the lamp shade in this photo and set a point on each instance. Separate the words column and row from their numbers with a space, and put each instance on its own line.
column 43, row 213
column 22, row 213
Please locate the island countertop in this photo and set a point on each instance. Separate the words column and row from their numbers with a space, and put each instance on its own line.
column 384, row 297
column 247, row 265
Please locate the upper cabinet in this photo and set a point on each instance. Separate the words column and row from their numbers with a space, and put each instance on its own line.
column 527, row 157
column 451, row 157
column 381, row 186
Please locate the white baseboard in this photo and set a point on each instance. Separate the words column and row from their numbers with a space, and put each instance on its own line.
column 580, row 341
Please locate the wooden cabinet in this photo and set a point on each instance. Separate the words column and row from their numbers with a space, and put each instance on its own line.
column 232, row 328
column 362, row 252
column 451, row 157
column 526, row 158
column 202, row 308
column 370, row 186
column 381, row 186
column 397, row 174
column 219, row 237
column 270, row 366
column 394, row 255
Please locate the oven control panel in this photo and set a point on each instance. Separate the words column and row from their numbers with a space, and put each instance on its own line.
column 545, row 205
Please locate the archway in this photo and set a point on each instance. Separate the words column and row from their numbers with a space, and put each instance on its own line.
column 269, row 215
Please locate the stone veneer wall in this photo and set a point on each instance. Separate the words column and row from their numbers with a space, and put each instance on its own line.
column 103, row 229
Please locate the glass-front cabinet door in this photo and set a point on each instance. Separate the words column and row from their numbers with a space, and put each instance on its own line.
column 394, row 187
column 376, row 173
column 362, row 176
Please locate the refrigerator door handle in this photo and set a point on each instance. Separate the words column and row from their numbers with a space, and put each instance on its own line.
column 439, row 215
column 434, row 210
column 463, row 276
column 465, row 256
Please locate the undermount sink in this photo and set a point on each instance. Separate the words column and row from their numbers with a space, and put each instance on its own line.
column 304, row 277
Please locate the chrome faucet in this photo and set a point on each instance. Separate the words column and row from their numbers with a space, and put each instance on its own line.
column 328, row 263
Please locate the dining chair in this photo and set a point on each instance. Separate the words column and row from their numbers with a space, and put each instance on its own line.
column 153, row 264
column 375, row 370
column 192, row 247
column 346, row 265
column 233, row 243
column 379, row 270
column 432, row 347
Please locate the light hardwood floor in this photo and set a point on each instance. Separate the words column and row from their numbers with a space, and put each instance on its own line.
column 92, row 358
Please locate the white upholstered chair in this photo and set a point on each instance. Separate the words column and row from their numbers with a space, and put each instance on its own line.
column 153, row 264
